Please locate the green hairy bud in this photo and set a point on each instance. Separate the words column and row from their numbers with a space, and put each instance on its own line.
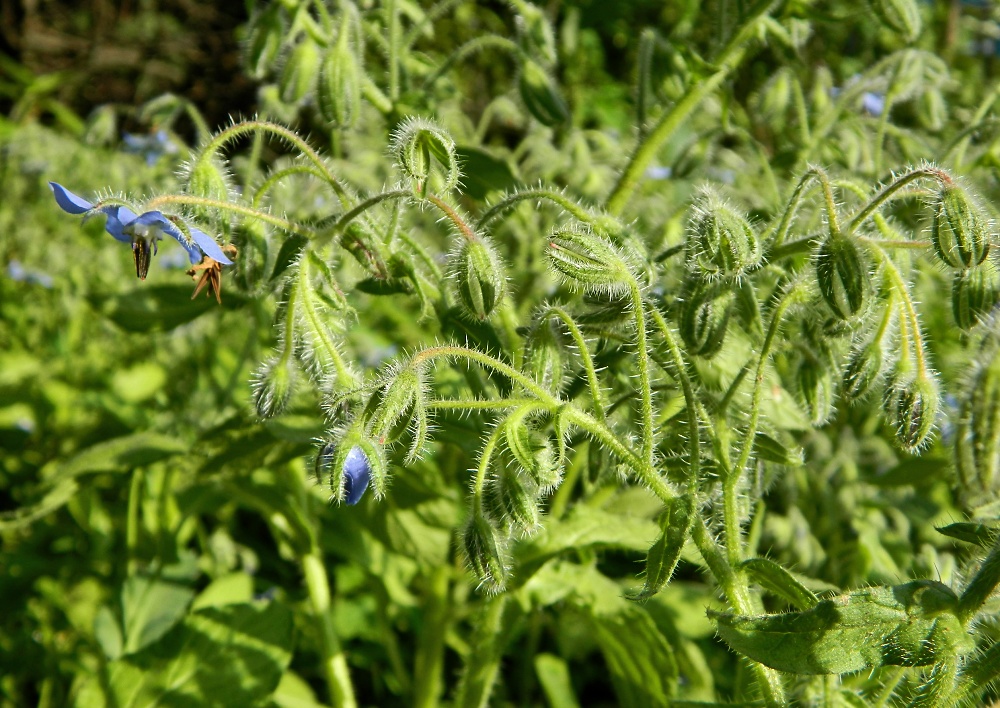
column 338, row 94
column 864, row 369
column 543, row 359
column 911, row 405
column 301, row 68
column 540, row 95
column 478, row 277
column 273, row 385
column 513, row 497
column 423, row 150
column 264, row 40
column 973, row 294
column 959, row 230
column 977, row 439
column 815, row 386
column 901, row 16
column 720, row 239
column 486, row 550
column 843, row 276
column 585, row 258
column 705, row 317
column 531, row 452
column 391, row 408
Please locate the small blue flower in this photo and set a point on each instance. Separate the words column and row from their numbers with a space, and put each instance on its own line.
column 873, row 103
column 357, row 474
column 142, row 231
column 152, row 147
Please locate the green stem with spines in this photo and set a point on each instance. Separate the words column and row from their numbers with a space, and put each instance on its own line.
column 234, row 132
column 887, row 192
column 596, row 430
column 536, row 193
column 588, row 363
column 316, row 325
column 189, row 200
column 899, row 285
column 276, row 177
column 645, row 387
column 731, row 56
column 488, row 41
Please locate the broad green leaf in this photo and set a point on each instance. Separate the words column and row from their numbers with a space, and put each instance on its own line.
column 150, row 607
column 662, row 557
column 294, row 692
column 233, row 656
column 914, row 471
column 895, row 626
column 553, row 674
column 483, row 173
column 583, row 526
column 776, row 579
column 228, row 589
column 289, row 251
column 981, row 534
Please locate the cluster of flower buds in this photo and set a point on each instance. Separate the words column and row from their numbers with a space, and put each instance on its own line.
column 721, row 241
column 426, row 156
column 960, row 235
column 705, row 313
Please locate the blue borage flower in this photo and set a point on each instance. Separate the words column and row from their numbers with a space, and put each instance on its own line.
column 357, row 471
column 143, row 230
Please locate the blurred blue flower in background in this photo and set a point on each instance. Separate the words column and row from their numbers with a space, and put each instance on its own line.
column 16, row 271
column 873, row 103
column 152, row 147
column 142, row 230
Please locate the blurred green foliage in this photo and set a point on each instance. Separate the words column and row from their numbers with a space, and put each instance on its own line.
column 162, row 543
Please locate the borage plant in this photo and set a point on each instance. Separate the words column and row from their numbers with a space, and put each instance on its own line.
column 609, row 355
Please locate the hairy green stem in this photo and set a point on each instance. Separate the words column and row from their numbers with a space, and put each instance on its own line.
column 588, row 363
column 334, row 660
column 428, row 668
column 941, row 176
column 731, row 57
column 483, row 662
column 188, row 200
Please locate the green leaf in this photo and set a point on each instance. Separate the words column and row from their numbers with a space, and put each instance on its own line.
column 150, row 607
column 981, row 534
column 914, row 471
column 228, row 589
column 773, row 577
column 482, row 173
column 233, row 655
column 895, row 626
column 662, row 557
column 582, row 527
column 290, row 249
column 553, row 674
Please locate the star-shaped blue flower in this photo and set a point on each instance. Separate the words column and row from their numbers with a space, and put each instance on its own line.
column 142, row 230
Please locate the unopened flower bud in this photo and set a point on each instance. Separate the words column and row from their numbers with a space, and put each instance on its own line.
column 540, row 95
column 959, row 230
column 273, row 385
column 705, row 317
column 264, row 40
column 338, row 94
column 910, row 405
column 486, row 551
column 933, row 112
column 536, row 31
column 587, row 259
column 543, row 359
column 345, row 469
column 977, row 440
column 973, row 295
column 901, row 16
column 301, row 68
column 391, row 408
column 420, row 148
column 531, row 452
column 843, row 276
column 721, row 240
column 864, row 369
column 815, row 385
column 478, row 277
column 513, row 497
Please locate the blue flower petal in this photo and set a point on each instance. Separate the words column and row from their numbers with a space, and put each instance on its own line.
column 209, row 246
column 116, row 227
column 68, row 201
column 357, row 474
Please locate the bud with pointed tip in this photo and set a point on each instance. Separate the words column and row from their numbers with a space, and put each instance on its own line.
column 392, row 407
column 422, row 151
column 513, row 497
column 486, row 551
column 301, row 68
column 532, row 452
column 864, row 369
column 273, row 385
column 843, row 276
column 959, row 230
column 901, row 16
column 721, row 240
column 540, row 95
column 974, row 293
column 977, row 440
column 543, row 358
column 264, row 40
column 478, row 277
column 338, row 94
column 587, row 259
column 345, row 469
column 815, row 386
column 911, row 405
column 705, row 318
